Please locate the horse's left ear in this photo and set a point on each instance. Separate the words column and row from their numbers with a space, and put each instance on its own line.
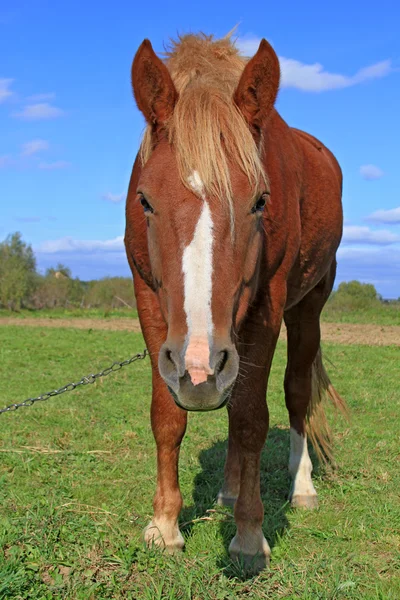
column 258, row 86
column 153, row 88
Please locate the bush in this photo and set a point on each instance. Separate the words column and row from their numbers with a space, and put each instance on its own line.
column 22, row 287
column 356, row 289
column 56, row 290
column 110, row 292
column 354, row 295
column 17, row 272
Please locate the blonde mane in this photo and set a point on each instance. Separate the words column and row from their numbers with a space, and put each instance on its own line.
column 207, row 129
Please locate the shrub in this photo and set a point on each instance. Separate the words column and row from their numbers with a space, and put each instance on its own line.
column 110, row 292
column 17, row 272
column 354, row 295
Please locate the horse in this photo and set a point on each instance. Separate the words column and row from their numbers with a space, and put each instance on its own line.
column 233, row 220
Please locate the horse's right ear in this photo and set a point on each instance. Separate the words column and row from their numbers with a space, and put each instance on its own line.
column 153, row 88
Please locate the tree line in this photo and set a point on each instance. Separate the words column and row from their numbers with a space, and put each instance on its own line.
column 21, row 286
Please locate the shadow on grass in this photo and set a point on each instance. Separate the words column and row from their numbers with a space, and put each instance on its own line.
column 275, row 486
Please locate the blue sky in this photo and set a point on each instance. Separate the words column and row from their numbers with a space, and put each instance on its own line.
column 70, row 129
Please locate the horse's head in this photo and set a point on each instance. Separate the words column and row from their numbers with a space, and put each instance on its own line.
column 202, row 190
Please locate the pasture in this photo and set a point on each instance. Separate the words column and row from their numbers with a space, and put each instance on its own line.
column 77, row 476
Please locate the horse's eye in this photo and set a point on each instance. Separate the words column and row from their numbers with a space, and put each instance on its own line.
column 260, row 204
column 146, row 206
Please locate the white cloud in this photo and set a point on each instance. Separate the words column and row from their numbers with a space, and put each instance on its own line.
column 68, row 244
column 33, row 147
column 248, row 44
column 90, row 259
column 39, row 111
column 355, row 234
column 113, row 197
column 5, row 91
column 58, row 164
column 40, row 97
column 371, row 172
column 390, row 217
column 379, row 266
column 88, row 266
column 313, row 77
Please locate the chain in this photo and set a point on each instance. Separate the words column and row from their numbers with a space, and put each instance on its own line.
column 116, row 366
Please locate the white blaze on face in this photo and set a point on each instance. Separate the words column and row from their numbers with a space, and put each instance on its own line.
column 300, row 466
column 197, row 273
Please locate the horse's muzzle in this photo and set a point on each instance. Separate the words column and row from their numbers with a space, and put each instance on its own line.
column 211, row 394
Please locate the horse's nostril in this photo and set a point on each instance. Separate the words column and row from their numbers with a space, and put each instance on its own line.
column 226, row 368
column 222, row 361
column 169, row 367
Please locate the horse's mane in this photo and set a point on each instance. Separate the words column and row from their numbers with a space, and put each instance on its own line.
column 207, row 129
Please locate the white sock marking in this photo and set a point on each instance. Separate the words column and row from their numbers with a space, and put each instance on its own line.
column 300, row 466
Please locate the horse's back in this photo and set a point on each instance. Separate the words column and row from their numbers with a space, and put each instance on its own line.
column 315, row 150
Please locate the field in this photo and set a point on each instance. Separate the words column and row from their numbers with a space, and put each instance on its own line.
column 77, row 476
column 338, row 309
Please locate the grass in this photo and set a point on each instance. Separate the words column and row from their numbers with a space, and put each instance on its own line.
column 66, row 313
column 77, row 476
column 335, row 311
column 372, row 313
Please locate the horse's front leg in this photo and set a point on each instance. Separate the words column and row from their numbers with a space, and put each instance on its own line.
column 249, row 418
column 169, row 424
column 249, row 421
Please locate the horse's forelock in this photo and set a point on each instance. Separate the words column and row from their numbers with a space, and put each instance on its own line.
column 206, row 129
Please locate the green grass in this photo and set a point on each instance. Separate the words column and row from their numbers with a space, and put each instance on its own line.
column 77, row 475
column 376, row 313
column 65, row 313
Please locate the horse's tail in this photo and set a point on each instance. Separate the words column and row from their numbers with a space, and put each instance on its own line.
column 318, row 429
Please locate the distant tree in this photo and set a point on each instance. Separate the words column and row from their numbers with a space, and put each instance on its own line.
column 110, row 292
column 59, row 270
column 353, row 296
column 17, row 272
column 356, row 289
column 22, row 287
column 58, row 289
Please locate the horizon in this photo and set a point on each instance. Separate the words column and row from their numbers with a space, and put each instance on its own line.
column 71, row 129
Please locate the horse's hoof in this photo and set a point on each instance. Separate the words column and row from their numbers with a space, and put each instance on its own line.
column 164, row 536
column 251, row 564
column 303, row 501
column 253, row 556
column 226, row 499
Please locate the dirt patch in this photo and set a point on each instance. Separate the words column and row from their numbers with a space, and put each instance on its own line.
column 341, row 333
column 356, row 333
column 119, row 324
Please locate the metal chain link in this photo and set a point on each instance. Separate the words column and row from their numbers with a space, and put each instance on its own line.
column 116, row 366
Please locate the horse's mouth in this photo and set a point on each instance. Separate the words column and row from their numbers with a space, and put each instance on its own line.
column 200, row 400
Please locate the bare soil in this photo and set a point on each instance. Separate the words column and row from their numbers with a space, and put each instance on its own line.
column 117, row 324
column 356, row 333
column 341, row 333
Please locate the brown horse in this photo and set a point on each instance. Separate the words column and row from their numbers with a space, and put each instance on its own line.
column 233, row 222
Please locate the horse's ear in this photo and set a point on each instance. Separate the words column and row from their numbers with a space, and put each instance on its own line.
column 153, row 88
column 258, row 86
